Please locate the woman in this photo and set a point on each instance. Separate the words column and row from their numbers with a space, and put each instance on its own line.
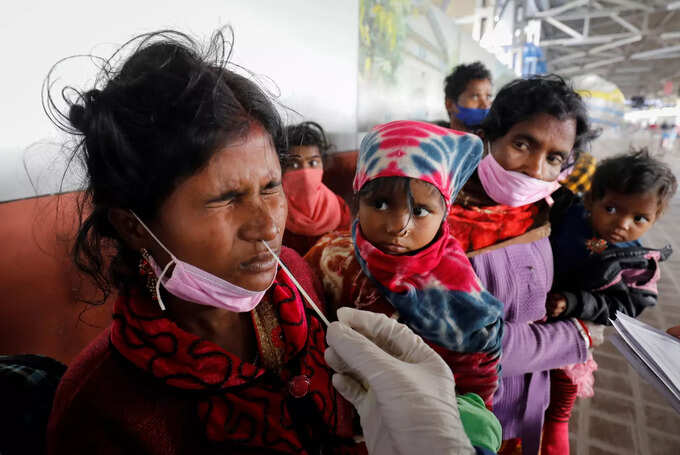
column 211, row 349
column 313, row 209
column 534, row 131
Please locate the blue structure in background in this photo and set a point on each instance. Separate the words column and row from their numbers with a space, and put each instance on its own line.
column 533, row 61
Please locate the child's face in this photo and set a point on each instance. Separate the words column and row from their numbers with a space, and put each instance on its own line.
column 623, row 217
column 386, row 222
column 305, row 157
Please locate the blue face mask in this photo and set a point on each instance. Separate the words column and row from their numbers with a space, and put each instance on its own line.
column 471, row 116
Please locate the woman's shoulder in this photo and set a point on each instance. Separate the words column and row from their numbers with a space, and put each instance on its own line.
column 85, row 387
column 86, row 367
column 96, row 377
column 105, row 403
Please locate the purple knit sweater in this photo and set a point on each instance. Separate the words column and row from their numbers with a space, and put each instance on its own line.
column 520, row 276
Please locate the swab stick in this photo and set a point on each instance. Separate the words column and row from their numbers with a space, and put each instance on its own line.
column 302, row 291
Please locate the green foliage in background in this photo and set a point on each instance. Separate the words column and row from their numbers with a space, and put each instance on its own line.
column 382, row 31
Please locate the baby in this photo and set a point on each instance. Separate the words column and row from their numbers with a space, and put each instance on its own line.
column 601, row 267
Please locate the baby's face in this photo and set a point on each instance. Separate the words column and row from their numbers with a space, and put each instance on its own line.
column 624, row 217
column 388, row 224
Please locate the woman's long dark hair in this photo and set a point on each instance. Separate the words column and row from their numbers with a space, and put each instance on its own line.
column 145, row 127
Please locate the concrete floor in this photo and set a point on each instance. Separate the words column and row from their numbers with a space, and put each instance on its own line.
column 626, row 415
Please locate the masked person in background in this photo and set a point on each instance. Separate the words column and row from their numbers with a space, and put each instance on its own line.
column 535, row 130
column 313, row 209
column 468, row 96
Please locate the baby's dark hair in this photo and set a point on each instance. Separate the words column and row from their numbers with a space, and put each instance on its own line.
column 456, row 82
column 521, row 99
column 148, row 124
column 390, row 186
column 308, row 133
column 635, row 172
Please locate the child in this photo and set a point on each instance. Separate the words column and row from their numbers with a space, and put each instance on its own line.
column 400, row 259
column 600, row 265
column 313, row 209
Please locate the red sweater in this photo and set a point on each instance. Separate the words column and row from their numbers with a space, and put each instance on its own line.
column 105, row 404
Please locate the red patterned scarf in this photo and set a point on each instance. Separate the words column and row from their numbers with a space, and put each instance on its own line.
column 287, row 404
column 478, row 227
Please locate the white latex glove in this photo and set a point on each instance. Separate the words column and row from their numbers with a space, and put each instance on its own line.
column 403, row 391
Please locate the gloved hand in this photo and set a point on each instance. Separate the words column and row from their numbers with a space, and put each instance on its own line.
column 403, row 391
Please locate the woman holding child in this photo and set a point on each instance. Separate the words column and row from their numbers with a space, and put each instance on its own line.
column 534, row 131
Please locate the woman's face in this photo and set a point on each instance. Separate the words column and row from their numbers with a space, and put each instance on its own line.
column 217, row 218
column 305, row 157
column 537, row 147
column 388, row 224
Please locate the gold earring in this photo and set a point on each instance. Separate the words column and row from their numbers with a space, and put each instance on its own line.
column 146, row 271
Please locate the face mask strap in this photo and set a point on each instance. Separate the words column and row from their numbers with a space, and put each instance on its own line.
column 152, row 234
column 158, row 285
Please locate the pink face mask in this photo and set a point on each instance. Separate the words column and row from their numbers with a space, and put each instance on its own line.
column 192, row 284
column 512, row 188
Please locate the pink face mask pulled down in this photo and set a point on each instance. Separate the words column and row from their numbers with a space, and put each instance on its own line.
column 512, row 188
column 192, row 284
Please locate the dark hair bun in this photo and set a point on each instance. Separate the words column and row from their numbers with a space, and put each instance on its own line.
column 76, row 115
column 80, row 114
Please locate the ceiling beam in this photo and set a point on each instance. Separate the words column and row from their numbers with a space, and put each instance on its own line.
column 673, row 55
column 631, row 4
column 560, row 9
column 565, row 28
column 669, row 35
column 603, row 62
column 624, row 23
column 567, row 58
column 614, row 44
column 654, row 52
column 585, row 41
column 632, row 69
column 575, row 16
column 666, row 18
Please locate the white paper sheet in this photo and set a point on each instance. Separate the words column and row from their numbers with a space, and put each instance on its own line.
column 654, row 354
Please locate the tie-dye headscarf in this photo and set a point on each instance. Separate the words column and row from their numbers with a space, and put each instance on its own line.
column 435, row 290
column 442, row 157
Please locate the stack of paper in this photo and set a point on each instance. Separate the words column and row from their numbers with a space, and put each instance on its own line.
column 653, row 353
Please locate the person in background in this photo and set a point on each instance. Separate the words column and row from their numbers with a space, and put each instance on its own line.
column 579, row 179
column 602, row 268
column 400, row 259
column 468, row 96
column 534, row 131
column 313, row 209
